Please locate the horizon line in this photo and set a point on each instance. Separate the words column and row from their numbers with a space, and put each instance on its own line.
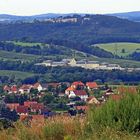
column 65, row 13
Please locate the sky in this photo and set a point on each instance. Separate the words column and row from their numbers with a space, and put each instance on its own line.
column 33, row 7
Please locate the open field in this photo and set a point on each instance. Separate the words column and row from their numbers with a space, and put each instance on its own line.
column 17, row 56
column 17, row 74
column 19, row 43
column 122, row 49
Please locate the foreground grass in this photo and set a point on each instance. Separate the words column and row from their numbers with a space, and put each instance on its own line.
column 63, row 128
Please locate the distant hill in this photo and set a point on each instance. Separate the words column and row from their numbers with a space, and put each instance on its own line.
column 4, row 18
column 76, row 32
column 134, row 16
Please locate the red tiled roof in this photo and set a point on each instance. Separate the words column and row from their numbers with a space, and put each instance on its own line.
column 29, row 103
column 26, row 87
column 37, row 106
column 92, row 100
column 12, row 106
column 6, row 88
column 80, row 92
column 14, row 88
column 92, row 85
column 36, row 85
column 70, row 89
column 22, row 109
column 78, row 83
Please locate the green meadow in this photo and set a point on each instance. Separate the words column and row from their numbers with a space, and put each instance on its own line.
column 121, row 49
column 16, row 74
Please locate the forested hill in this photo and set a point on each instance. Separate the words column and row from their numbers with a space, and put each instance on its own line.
column 87, row 30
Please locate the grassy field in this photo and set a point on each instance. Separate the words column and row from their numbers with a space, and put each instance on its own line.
column 17, row 56
column 19, row 43
column 17, row 74
column 122, row 49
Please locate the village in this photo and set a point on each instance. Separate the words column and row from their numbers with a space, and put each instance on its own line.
column 36, row 102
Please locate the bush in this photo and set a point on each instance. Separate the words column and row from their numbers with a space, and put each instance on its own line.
column 122, row 115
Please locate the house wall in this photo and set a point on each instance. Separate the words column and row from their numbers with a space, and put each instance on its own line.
column 84, row 97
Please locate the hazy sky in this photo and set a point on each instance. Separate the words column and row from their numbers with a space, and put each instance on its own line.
column 32, row 7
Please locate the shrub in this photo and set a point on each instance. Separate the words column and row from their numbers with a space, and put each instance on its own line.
column 123, row 115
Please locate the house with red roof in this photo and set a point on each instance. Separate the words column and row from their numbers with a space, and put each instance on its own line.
column 69, row 90
column 14, row 89
column 78, row 84
column 82, row 94
column 12, row 106
column 91, row 85
column 37, row 108
column 38, row 86
column 25, row 89
column 92, row 100
column 29, row 103
column 22, row 110
column 6, row 88
column 71, row 93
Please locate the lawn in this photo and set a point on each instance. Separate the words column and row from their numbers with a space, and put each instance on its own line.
column 121, row 49
column 17, row 74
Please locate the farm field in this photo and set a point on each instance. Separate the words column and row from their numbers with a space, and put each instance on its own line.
column 28, row 44
column 17, row 56
column 122, row 49
column 17, row 74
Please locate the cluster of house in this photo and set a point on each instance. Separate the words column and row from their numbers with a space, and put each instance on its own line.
column 26, row 88
column 81, row 63
column 78, row 89
column 36, row 111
